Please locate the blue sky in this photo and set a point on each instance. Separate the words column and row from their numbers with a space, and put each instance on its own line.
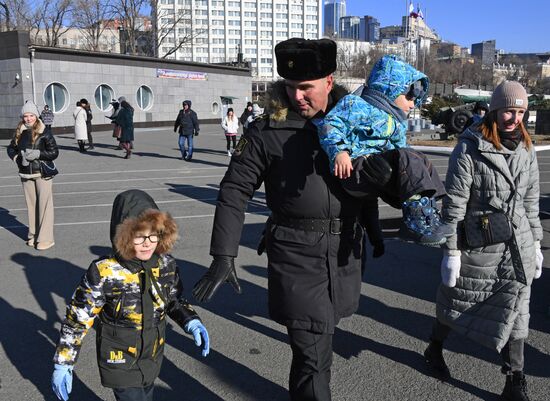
column 521, row 26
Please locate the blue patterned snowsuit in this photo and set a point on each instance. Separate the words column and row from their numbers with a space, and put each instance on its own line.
column 357, row 126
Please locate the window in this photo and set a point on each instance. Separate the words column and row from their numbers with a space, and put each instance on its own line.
column 144, row 97
column 215, row 108
column 57, row 97
column 103, row 95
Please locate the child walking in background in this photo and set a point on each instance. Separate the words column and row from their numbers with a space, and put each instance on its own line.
column 230, row 125
column 130, row 292
column 366, row 135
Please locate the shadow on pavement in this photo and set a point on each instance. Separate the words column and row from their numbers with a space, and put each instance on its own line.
column 10, row 223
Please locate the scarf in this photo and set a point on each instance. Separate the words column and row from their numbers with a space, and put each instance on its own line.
column 510, row 140
column 384, row 103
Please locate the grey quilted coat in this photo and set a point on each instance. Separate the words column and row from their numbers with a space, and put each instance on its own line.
column 487, row 304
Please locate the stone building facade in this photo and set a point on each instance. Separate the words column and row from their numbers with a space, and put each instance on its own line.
column 154, row 87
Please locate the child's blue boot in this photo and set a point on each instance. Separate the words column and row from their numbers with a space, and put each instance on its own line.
column 422, row 223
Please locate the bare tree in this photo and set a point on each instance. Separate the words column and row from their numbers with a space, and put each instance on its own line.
column 14, row 15
column 171, row 30
column 52, row 18
column 92, row 20
column 130, row 12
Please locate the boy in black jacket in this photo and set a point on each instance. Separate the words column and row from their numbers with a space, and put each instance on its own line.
column 130, row 292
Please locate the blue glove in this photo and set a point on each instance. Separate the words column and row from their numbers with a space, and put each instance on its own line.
column 197, row 329
column 62, row 381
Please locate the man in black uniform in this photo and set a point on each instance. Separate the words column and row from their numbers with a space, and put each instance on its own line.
column 312, row 238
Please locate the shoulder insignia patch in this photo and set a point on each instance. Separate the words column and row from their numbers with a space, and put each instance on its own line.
column 240, row 146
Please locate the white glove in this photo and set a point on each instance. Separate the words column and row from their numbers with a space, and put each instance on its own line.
column 539, row 259
column 450, row 268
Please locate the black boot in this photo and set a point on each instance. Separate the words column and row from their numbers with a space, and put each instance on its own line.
column 81, row 147
column 515, row 388
column 434, row 359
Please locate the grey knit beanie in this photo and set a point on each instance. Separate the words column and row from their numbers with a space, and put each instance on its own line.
column 508, row 94
column 30, row 107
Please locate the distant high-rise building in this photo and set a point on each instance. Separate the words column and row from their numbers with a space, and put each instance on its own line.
column 485, row 51
column 349, row 27
column 369, row 29
column 217, row 31
column 334, row 10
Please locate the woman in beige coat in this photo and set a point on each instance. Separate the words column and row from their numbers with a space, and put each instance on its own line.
column 80, row 130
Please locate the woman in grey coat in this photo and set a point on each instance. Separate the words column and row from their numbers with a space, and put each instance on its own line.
column 480, row 296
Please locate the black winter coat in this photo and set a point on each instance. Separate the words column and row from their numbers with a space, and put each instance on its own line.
column 314, row 278
column 187, row 122
column 47, row 146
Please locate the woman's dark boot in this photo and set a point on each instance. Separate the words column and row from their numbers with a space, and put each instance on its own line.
column 515, row 388
column 81, row 147
column 434, row 359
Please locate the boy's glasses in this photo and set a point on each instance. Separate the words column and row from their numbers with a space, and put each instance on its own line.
column 153, row 238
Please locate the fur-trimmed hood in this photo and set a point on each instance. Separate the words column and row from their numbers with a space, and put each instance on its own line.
column 278, row 105
column 135, row 211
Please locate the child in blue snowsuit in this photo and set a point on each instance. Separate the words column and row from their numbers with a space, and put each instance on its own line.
column 366, row 135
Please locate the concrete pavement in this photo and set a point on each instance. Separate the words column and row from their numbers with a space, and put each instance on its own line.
column 377, row 351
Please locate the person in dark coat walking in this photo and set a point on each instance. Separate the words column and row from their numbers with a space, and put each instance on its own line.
column 86, row 106
column 47, row 118
column 248, row 111
column 125, row 119
column 312, row 238
column 187, row 124
column 33, row 149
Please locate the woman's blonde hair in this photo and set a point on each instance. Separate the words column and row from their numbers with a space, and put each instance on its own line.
column 489, row 131
column 151, row 220
column 35, row 131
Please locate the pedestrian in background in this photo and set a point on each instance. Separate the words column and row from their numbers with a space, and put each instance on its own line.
column 47, row 117
column 244, row 116
column 86, row 106
column 116, row 131
column 312, row 238
column 130, row 291
column 486, row 288
column 80, row 128
column 125, row 119
column 230, row 125
column 187, row 124
column 34, row 150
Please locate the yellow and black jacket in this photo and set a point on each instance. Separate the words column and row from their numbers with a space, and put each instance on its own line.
column 131, row 299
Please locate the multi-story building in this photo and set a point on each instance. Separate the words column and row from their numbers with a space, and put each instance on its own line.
column 411, row 28
column 369, row 29
column 485, row 51
column 215, row 31
column 334, row 10
column 349, row 27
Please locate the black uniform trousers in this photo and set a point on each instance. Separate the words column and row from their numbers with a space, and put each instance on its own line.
column 412, row 174
column 512, row 353
column 134, row 393
column 310, row 369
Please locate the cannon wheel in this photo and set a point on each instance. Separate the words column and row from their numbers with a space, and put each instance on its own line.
column 459, row 120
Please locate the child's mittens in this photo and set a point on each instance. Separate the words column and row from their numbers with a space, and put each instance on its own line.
column 450, row 268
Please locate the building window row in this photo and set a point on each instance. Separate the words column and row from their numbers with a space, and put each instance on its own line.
column 57, row 96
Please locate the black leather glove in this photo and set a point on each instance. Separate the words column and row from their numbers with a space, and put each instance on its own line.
column 375, row 170
column 378, row 249
column 196, row 133
column 261, row 244
column 221, row 270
